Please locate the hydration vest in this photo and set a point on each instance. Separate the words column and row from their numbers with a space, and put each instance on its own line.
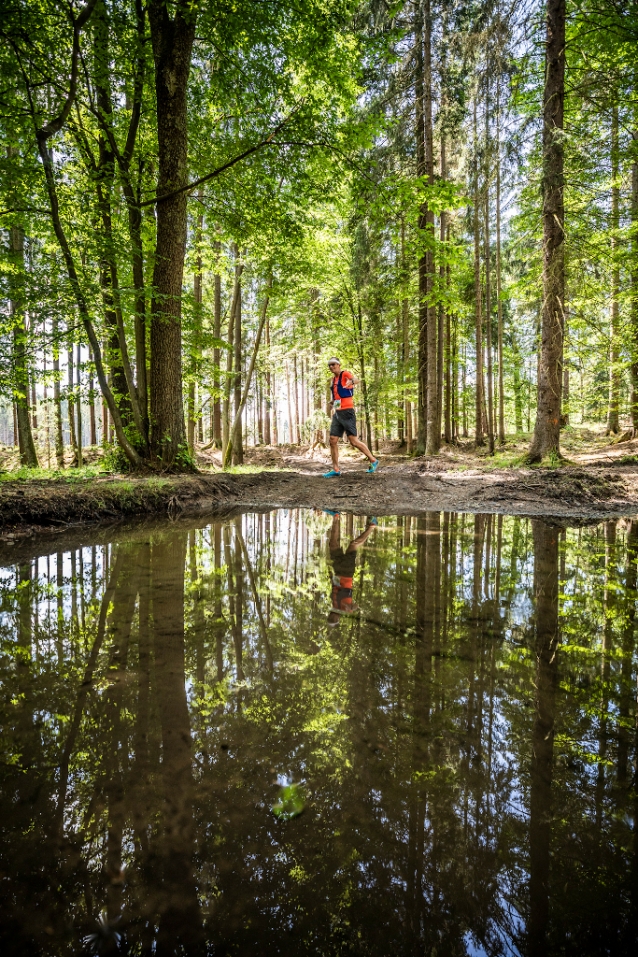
column 341, row 390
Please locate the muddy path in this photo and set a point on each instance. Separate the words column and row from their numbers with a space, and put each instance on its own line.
column 401, row 487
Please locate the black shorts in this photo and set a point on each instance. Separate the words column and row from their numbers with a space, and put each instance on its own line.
column 343, row 420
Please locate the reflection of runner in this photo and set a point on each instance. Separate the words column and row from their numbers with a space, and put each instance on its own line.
column 343, row 563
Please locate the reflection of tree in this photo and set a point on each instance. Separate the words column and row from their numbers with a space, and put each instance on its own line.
column 204, row 671
column 546, row 649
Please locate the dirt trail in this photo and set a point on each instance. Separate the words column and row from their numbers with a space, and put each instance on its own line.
column 401, row 486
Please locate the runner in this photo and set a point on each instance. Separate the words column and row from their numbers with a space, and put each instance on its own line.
column 343, row 417
column 343, row 563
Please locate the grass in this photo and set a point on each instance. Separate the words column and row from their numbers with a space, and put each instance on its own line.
column 71, row 476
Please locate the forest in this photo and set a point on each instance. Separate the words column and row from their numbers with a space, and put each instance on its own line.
column 200, row 202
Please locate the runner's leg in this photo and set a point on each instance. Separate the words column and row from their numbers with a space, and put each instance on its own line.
column 334, row 451
column 358, row 444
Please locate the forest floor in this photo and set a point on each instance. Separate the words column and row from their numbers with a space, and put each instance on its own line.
column 598, row 478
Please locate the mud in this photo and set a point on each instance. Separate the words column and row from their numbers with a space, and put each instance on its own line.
column 401, row 486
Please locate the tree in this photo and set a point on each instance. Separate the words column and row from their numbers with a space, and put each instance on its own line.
column 546, row 439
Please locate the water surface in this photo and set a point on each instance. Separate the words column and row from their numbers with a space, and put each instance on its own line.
column 295, row 733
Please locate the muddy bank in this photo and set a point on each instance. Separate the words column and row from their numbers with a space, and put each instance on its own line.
column 418, row 487
column 399, row 488
column 34, row 505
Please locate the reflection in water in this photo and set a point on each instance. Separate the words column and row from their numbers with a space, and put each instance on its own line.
column 453, row 696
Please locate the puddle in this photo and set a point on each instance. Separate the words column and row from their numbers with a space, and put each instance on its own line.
column 303, row 734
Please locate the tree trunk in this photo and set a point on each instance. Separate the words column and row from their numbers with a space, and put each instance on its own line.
column 428, row 441
column 172, row 40
column 197, row 335
column 421, row 171
column 291, row 434
column 488, row 296
column 57, row 402
column 217, row 332
column 634, row 284
column 295, row 394
column 499, row 304
column 478, row 428
column 546, row 439
column 237, row 435
column 78, row 372
column 517, row 364
column 249, row 375
column 70, row 405
column 26, row 444
column 92, row 424
column 613, row 414
column 268, row 390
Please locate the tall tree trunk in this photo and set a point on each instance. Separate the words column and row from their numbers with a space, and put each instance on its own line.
column 428, row 441
column 57, row 402
column 421, row 171
column 251, row 368
column 237, row 436
column 26, row 444
column 121, row 367
column 226, row 409
column 268, row 390
column 172, row 39
column 546, row 439
column 291, row 433
column 448, row 360
column 217, row 332
column 634, row 284
column 197, row 335
column 478, row 428
column 92, row 424
column 499, row 304
column 443, row 324
column 488, row 289
column 295, row 395
column 613, row 417
column 517, row 364
column 433, row 438
column 78, row 401
column 70, row 405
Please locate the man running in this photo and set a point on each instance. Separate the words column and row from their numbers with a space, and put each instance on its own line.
column 343, row 417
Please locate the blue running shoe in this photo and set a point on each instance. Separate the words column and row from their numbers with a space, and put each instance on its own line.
column 374, row 466
column 331, row 474
column 329, row 511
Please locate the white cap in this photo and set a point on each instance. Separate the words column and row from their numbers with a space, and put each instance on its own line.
column 334, row 359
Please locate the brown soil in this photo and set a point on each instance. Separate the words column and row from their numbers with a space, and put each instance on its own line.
column 575, row 492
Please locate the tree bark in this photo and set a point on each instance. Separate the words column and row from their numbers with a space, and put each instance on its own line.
column 268, row 390
column 237, row 434
column 613, row 413
column 251, row 368
column 78, row 404
column 70, row 404
column 499, row 304
column 478, row 428
column 197, row 336
column 428, row 441
column 57, row 402
column 488, row 293
column 172, row 40
column 546, row 439
column 634, row 284
column 421, row 171
column 26, row 445
column 217, row 332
